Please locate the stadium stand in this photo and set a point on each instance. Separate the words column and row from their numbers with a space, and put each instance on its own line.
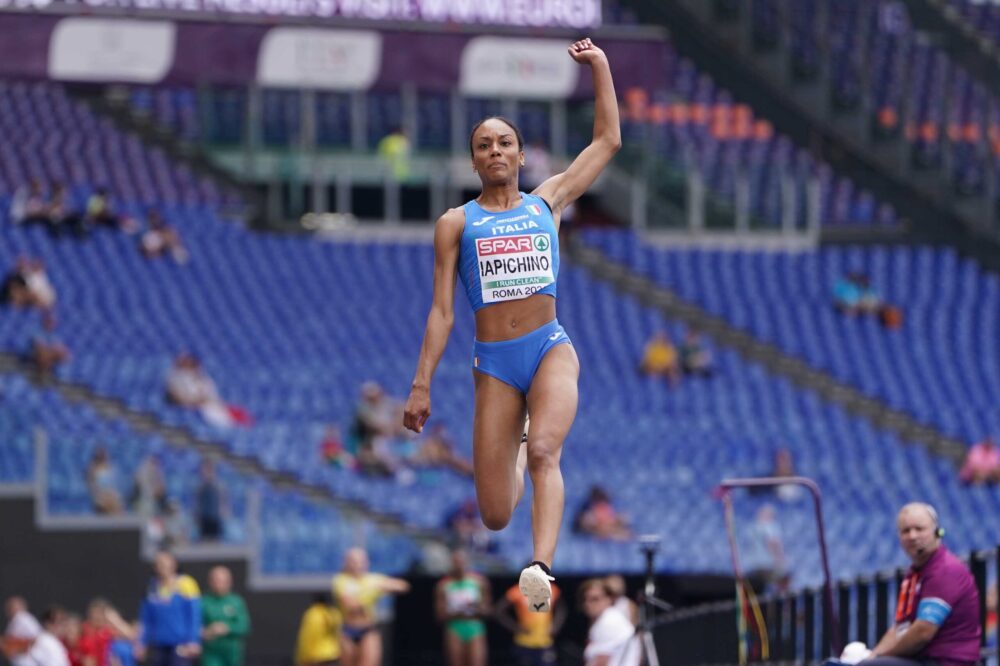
column 300, row 302
column 935, row 367
column 296, row 535
column 901, row 77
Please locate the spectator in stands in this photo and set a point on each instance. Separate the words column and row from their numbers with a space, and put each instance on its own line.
column 598, row 517
column 101, row 213
column 660, row 359
column 784, row 468
column 854, row 294
column 28, row 205
column 102, row 482
column 170, row 616
column 610, row 639
column 188, row 385
column 149, row 489
column 467, row 528
column 534, row 633
column 696, row 358
column 62, row 217
column 394, row 150
column 438, row 450
column 40, row 292
column 373, row 424
column 172, row 527
column 982, row 463
column 15, row 285
column 209, row 503
column 47, row 351
column 461, row 602
column 225, row 622
column 357, row 591
column 332, row 449
column 937, row 612
column 318, row 643
column 161, row 238
column 764, row 557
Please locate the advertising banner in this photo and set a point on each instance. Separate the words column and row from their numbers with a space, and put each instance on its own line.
column 319, row 59
column 212, row 53
column 93, row 49
column 529, row 13
column 521, row 68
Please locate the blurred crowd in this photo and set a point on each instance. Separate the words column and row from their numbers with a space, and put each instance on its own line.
column 177, row 625
column 167, row 522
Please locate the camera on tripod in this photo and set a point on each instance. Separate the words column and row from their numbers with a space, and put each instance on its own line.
column 649, row 543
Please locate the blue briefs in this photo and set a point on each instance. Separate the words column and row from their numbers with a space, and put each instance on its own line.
column 515, row 361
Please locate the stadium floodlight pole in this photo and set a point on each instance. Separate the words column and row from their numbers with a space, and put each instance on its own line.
column 728, row 485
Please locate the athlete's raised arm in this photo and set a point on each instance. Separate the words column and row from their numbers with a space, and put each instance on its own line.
column 563, row 189
column 447, row 236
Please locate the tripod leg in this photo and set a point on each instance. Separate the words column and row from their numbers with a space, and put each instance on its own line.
column 649, row 648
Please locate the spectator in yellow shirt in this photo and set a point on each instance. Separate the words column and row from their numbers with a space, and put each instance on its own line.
column 660, row 359
column 319, row 634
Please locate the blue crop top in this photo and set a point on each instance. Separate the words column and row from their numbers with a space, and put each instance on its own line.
column 510, row 255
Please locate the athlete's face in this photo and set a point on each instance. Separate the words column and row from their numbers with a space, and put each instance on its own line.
column 496, row 155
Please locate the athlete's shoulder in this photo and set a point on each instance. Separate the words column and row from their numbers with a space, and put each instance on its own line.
column 453, row 217
column 449, row 228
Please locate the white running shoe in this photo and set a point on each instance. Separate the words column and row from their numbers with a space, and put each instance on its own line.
column 536, row 585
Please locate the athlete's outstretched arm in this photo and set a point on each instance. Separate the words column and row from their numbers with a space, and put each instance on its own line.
column 447, row 235
column 563, row 189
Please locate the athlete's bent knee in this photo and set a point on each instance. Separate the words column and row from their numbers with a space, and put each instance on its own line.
column 495, row 519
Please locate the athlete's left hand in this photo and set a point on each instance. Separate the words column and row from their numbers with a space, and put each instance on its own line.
column 585, row 53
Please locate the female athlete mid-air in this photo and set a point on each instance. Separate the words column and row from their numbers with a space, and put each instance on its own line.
column 504, row 245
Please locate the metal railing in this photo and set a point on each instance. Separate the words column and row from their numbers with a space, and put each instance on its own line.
column 807, row 625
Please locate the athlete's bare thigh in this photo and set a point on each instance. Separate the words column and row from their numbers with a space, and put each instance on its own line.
column 496, row 435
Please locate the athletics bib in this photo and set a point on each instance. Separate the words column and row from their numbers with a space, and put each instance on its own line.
column 514, row 267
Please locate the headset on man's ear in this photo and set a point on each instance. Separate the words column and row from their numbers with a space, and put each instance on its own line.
column 938, row 530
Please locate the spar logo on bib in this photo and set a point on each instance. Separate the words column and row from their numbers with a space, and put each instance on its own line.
column 514, row 267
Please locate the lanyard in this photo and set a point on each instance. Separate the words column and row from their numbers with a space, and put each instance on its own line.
column 907, row 597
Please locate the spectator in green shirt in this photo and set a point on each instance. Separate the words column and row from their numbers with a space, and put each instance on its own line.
column 224, row 621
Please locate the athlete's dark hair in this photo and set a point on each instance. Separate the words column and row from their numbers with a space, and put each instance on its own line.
column 517, row 132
